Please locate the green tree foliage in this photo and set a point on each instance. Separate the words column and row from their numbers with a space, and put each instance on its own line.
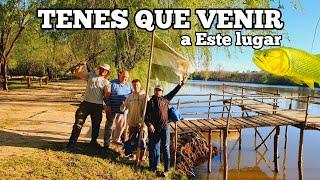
column 14, row 17
column 52, row 52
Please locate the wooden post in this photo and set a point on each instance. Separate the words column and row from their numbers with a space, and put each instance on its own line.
column 275, row 149
column 40, row 81
column 220, row 150
column 210, row 97
column 239, row 159
column 223, row 99
column 300, row 152
column 242, row 109
column 273, row 105
column 303, row 126
column 225, row 139
column 29, row 82
column 210, row 151
column 242, row 115
column 290, row 105
column 175, row 140
column 47, row 80
column 240, row 139
column 255, row 137
column 146, row 98
column 286, row 138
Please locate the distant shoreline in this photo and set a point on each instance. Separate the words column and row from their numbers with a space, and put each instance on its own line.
column 253, row 77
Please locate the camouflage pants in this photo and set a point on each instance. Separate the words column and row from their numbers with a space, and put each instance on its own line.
column 85, row 109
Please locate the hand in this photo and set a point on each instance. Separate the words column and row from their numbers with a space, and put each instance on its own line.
column 82, row 63
column 184, row 79
column 139, row 126
column 151, row 128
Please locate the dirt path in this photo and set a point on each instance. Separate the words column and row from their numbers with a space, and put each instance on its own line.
column 34, row 118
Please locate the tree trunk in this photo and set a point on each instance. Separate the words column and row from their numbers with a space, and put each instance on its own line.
column 126, row 49
column 3, row 73
column 3, row 76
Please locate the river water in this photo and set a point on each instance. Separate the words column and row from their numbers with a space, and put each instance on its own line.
column 248, row 163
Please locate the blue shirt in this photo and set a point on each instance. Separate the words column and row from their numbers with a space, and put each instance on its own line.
column 119, row 93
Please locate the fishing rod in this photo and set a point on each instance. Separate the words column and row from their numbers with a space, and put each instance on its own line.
column 90, row 58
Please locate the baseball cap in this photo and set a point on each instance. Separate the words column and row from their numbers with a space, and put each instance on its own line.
column 159, row 87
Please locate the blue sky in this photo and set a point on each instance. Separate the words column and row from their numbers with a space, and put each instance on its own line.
column 300, row 26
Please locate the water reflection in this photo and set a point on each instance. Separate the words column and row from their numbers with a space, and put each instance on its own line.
column 248, row 163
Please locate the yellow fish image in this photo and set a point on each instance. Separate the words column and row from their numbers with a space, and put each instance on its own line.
column 297, row 65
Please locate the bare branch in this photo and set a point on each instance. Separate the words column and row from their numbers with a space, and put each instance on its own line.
column 7, row 31
column 14, row 41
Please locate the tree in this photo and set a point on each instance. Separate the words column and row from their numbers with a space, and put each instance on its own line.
column 14, row 17
column 125, row 48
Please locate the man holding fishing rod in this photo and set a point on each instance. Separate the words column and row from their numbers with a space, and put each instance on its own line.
column 92, row 104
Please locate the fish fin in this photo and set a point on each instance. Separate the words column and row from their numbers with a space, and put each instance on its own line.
column 310, row 83
column 295, row 80
column 318, row 55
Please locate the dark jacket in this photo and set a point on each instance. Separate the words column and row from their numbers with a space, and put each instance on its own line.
column 157, row 109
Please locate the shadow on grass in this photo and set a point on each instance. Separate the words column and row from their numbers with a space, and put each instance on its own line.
column 58, row 145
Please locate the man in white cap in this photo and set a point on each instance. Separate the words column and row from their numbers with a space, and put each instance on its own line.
column 92, row 104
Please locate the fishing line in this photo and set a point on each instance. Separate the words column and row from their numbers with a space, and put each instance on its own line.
column 314, row 34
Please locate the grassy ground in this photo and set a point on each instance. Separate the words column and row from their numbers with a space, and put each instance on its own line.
column 50, row 162
column 19, row 84
column 46, row 160
column 35, row 125
column 60, row 165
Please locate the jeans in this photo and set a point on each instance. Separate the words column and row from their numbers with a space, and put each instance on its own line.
column 85, row 109
column 159, row 135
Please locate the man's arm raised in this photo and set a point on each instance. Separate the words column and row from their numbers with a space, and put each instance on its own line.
column 79, row 73
column 171, row 94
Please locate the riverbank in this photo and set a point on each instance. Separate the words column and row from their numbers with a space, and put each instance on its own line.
column 244, row 77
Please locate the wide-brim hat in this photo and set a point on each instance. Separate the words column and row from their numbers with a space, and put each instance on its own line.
column 105, row 66
column 159, row 87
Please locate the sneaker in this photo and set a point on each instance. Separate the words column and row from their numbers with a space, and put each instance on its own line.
column 132, row 157
column 165, row 174
column 158, row 173
column 118, row 143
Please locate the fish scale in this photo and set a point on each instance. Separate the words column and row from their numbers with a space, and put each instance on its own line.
column 303, row 67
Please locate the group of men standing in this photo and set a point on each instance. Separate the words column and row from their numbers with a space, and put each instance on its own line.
column 124, row 105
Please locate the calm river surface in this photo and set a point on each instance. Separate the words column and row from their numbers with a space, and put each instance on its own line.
column 249, row 163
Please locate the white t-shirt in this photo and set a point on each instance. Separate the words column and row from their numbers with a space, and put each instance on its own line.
column 95, row 88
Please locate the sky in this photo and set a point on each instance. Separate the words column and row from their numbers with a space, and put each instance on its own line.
column 300, row 26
